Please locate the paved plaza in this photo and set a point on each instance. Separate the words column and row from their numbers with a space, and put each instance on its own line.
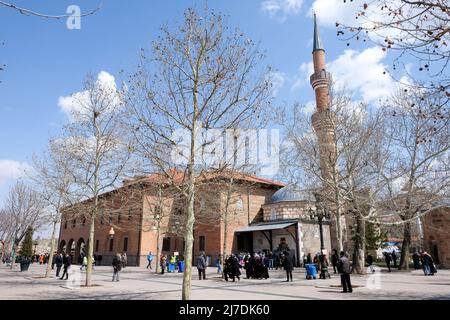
column 139, row 283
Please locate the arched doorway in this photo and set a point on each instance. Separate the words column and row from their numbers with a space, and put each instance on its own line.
column 80, row 251
column 70, row 249
column 62, row 246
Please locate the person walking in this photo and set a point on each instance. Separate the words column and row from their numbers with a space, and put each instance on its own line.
column 219, row 264
column 67, row 262
column 149, row 259
column 334, row 260
column 369, row 261
column 344, row 269
column 394, row 258
column 59, row 263
column 124, row 260
column 84, row 263
column 416, row 260
column 388, row 259
column 162, row 263
column 117, row 266
column 288, row 265
column 201, row 266
column 428, row 264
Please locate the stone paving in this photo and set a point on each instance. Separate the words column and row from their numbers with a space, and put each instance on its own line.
column 140, row 283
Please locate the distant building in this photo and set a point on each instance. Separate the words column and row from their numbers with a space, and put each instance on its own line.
column 262, row 216
column 436, row 234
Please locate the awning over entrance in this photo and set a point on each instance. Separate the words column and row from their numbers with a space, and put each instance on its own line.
column 263, row 227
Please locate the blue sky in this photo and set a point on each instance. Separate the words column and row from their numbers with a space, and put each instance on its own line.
column 45, row 60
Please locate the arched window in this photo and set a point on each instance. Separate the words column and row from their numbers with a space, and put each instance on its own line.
column 125, row 244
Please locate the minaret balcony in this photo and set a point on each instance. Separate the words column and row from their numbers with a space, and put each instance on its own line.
column 320, row 79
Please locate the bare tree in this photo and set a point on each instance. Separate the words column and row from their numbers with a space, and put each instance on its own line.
column 99, row 150
column 420, row 133
column 203, row 77
column 53, row 181
column 410, row 29
column 6, row 232
column 353, row 186
column 26, row 209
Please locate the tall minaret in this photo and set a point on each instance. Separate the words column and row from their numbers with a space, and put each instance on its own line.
column 322, row 121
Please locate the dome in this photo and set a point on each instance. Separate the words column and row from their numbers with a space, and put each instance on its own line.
column 290, row 193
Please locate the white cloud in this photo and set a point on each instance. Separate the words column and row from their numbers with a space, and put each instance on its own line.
column 78, row 103
column 305, row 69
column 331, row 11
column 281, row 9
column 11, row 170
column 277, row 79
column 361, row 73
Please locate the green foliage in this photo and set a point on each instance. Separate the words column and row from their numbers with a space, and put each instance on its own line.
column 374, row 236
column 27, row 244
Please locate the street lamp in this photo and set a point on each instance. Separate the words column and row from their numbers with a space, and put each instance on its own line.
column 36, row 243
column 111, row 233
column 320, row 213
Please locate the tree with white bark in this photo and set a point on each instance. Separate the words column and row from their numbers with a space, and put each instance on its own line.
column 99, row 151
column 419, row 169
column 25, row 208
column 53, row 180
column 201, row 77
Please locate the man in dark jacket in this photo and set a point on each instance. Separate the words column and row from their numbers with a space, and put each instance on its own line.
column 394, row 258
column 67, row 262
column 288, row 264
column 344, row 268
column 388, row 259
column 201, row 266
column 59, row 263
column 334, row 260
column 117, row 266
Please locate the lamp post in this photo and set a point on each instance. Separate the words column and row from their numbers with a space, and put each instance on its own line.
column 111, row 233
column 320, row 213
column 36, row 243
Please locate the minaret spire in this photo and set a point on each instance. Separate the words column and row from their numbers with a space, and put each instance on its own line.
column 317, row 43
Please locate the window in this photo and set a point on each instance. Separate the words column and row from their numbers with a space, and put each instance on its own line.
column 84, row 222
column 118, row 217
column 74, row 223
column 201, row 243
column 129, row 215
column 111, row 245
column 239, row 205
column 125, row 244
column 97, row 243
column 65, row 224
column 166, row 244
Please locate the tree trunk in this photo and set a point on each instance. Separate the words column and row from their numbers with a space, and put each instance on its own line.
column 359, row 253
column 52, row 249
column 404, row 256
column 90, row 253
column 13, row 253
column 158, row 246
column 225, row 225
column 189, row 237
